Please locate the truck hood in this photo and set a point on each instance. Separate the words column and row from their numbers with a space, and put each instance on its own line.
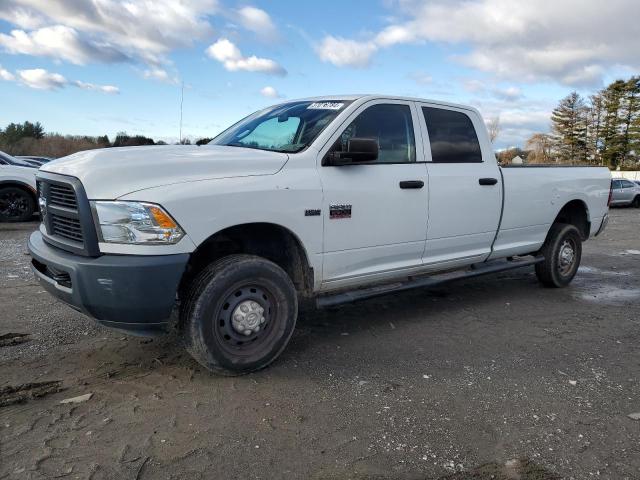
column 113, row 172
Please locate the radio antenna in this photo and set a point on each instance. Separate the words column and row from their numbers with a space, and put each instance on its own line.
column 181, row 102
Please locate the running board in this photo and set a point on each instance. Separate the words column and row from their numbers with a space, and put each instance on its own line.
column 477, row 269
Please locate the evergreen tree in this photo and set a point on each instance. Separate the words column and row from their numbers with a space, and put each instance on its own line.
column 32, row 130
column 630, row 114
column 570, row 129
column 612, row 145
column 594, row 128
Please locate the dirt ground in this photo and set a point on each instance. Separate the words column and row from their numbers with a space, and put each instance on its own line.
column 494, row 377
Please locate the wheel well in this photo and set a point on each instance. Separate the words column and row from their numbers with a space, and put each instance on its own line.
column 266, row 240
column 575, row 213
column 22, row 186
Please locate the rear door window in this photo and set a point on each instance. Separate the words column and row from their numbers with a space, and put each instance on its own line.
column 452, row 136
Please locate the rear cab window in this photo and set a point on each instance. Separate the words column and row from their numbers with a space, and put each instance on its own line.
column 452, row 136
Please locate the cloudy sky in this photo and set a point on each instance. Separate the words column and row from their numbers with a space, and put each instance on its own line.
column 101, row 66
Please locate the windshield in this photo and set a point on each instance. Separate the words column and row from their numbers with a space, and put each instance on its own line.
column 289, row 127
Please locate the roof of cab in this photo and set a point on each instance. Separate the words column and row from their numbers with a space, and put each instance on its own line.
column 364, row 97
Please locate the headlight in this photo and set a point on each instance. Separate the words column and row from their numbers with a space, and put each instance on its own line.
column 135, row 222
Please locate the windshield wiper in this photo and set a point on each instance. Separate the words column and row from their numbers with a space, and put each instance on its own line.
column 242, row 145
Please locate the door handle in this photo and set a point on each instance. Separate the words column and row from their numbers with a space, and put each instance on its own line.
column 488, row 181
column 411, row 184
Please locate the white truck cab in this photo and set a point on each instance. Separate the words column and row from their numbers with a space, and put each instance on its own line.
column 335, row 198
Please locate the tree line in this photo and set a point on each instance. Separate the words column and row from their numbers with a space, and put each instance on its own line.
column 31, row 139
column 602, row 129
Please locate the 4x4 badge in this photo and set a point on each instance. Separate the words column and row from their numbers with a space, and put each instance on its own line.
column 312, row 212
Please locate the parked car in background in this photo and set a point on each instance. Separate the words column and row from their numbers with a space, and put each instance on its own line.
column 36, row 161
column 18, row 198
column 625, row 192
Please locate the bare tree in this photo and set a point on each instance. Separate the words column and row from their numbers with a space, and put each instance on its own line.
column 493, row 126
column 540, row 146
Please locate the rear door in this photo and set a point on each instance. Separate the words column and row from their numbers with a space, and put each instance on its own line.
column 375, row 214
column 628, row 190
column 465, row 186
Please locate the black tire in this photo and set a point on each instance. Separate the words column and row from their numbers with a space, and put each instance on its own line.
column 16, row 204
column 562, row 252
column 209, row 314
column 636, row 202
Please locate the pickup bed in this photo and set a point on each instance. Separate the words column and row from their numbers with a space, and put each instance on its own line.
column 333, row 199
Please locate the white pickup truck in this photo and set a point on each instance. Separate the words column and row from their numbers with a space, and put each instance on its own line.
column 334, row 199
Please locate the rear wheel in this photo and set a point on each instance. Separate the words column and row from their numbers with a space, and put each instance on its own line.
column 16, row 205
column 562, row 252
column 636, row 202
column 239, row 314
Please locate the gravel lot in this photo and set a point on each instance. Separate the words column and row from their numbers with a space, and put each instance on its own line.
column 494, row 377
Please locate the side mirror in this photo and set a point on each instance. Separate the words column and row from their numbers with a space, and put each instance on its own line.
column 359, row 150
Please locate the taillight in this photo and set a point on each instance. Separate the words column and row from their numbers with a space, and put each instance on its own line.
column 610, row 193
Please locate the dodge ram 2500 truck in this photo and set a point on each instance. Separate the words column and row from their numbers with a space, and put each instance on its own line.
column 335, row 199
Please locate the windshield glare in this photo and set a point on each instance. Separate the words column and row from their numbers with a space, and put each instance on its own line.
column 290, row 127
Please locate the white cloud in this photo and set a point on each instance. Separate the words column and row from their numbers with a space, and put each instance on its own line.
column 346, row 53
column 479, row 87
column 518, row 119
column 225, row 52
column 509, row 94
column 110, row 89
column 6, row 75
column 269, row 92
column 421, row 78
column 258, row 21
column 571, row 41
column 159, row 74
column 41, row 79
column 86, row 31
column 58, row 42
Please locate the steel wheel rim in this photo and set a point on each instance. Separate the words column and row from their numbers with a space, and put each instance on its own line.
column 230, row 333
column 13, row 204
column 566, row 256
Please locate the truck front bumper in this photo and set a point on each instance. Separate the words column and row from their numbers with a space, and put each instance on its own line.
column 134, row 293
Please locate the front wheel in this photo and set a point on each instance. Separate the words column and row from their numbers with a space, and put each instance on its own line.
column 562, row 252
column 636, row 202
column 239, row 314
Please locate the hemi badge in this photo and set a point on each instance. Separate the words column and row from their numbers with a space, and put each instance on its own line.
column 312, row 212
column 340, row 211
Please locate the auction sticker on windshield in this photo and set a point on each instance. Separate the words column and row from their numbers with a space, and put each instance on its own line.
column 325, row 106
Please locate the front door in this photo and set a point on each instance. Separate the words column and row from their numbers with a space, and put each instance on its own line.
column 375, row 214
